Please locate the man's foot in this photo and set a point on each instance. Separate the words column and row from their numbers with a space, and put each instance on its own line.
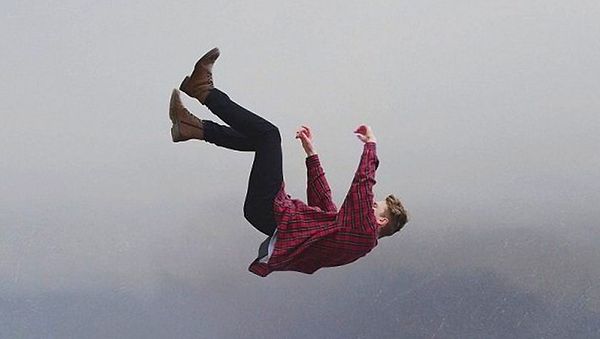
column 199, row 84
column 186, row 126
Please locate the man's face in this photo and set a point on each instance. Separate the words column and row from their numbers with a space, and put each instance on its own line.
column 379, row 209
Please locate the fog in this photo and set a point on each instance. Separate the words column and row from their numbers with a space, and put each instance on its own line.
column 486, row 116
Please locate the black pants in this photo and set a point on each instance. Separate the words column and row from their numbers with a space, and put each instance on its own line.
column 250, row 133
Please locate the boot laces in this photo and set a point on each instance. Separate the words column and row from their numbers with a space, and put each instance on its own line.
column 210, row 78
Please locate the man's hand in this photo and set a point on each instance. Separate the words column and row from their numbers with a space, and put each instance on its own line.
column 365, row 134
column 305, row 136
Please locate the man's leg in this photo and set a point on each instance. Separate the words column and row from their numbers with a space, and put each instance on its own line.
column 200, row 85
column 236, row 116
column 225, row 136
column 187, row 126
column 266, row 175
column 264, row 183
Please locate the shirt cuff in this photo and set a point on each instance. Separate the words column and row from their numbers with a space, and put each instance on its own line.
column 313, row 161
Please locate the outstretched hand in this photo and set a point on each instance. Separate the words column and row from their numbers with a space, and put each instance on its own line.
column 365, row 133
column 305, row 135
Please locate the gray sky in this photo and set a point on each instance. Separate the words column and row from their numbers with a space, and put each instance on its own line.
column 487, row 119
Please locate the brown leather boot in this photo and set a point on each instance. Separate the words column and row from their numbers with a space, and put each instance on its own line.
column 199, row 84
column 186, row 126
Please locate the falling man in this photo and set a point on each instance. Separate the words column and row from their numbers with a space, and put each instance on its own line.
column 302, row 237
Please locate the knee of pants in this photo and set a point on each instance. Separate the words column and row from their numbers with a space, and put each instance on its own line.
column 273, row 135
column 251, row 214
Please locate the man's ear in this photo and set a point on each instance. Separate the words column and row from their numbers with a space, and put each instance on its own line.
column 383, row 221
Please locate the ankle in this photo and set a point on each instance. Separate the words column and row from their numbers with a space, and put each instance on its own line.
column 198, row 133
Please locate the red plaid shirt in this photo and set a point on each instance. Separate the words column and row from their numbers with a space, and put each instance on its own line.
column 315, row 235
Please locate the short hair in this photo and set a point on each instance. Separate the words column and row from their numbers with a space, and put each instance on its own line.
column 396, row 212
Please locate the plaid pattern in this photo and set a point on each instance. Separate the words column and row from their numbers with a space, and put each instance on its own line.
column 315, row 235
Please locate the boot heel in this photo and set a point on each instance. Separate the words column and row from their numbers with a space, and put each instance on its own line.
column 175, row 134
column 184, row 84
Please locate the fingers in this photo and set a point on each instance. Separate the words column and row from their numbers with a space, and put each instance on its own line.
column 304, row 136
column 362, row 129
column 308, row 131
column 304, row 133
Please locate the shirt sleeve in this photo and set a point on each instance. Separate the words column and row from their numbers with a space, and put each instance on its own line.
column 357, row 209
column 318, row 191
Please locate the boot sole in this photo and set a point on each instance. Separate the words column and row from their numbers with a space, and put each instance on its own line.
column 175, row 133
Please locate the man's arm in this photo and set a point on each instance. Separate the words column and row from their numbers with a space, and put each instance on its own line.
column 365, row 173
column 317, row 187
column 357, row 206
column 368, row 161
column 318, row 191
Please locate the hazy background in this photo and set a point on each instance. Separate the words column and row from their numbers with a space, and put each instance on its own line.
column 487, row 117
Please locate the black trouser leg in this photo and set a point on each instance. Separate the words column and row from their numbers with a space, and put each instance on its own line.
column 227, row 137
column 250, row 132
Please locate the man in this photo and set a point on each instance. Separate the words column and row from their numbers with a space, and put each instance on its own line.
column 302, row 236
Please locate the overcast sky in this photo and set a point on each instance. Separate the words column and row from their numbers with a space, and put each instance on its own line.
column 486, row 115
